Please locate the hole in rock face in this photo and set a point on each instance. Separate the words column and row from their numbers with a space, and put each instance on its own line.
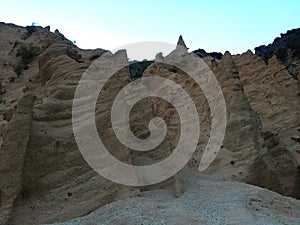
column 232, row 162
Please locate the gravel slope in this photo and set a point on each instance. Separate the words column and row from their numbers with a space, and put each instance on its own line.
column 204, row 201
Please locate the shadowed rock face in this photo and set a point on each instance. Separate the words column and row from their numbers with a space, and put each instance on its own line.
column 43, row 176
column 136, row 69
column 286, row 48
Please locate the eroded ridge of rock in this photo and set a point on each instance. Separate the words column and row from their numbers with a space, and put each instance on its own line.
column 44, row 178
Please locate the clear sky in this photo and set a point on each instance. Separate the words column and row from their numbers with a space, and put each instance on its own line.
column 214, row 25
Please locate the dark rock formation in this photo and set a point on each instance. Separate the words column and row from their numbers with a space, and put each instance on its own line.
column 202, row 53
column 286, row 48
column 136, row 68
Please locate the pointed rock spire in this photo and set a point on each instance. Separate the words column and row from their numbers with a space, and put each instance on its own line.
column 181, row 42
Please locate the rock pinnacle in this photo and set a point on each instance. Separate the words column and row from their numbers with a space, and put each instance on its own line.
column 181, row 42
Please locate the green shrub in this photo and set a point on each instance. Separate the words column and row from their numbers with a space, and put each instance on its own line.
column 27, row 52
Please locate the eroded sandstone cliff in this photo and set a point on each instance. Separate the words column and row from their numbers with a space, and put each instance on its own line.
column 43, row 176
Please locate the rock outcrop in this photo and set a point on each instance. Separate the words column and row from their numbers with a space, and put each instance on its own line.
column 286, row 48
column 202, row 53
column 181, row 42
column 43, row 176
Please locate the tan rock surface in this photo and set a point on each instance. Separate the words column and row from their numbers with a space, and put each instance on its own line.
column 43, row 176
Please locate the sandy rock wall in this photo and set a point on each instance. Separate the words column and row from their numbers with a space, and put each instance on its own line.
column 44, row 177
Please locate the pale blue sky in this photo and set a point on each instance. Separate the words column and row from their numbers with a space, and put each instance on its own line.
column 213, row 25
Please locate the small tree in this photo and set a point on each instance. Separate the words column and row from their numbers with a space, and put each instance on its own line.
column 27, row 52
